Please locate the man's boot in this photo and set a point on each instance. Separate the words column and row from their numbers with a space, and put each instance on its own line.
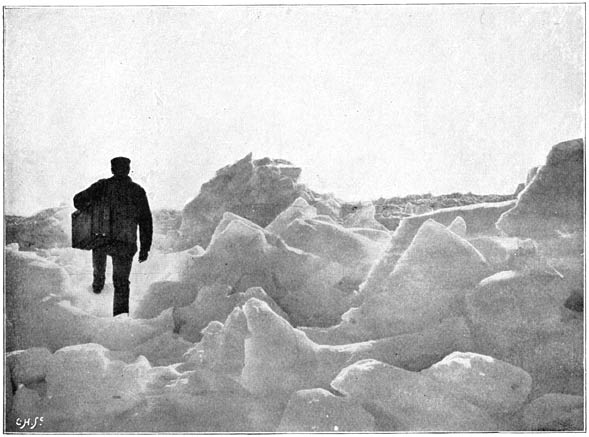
column 99, row 267
column 121, row 298
column 121, row 271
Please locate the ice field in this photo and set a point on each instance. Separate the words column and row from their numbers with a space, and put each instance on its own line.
column 251, row 318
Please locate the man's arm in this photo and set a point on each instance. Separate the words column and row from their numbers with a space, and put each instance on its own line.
column 145, row 226
column 86, row 198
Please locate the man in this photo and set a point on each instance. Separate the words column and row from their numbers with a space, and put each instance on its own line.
column 127, row 207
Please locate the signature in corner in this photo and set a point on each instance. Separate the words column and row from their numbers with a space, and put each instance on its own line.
column 32, row 423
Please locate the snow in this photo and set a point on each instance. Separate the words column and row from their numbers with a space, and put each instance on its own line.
column 496, row 250
column 162, row 295
column 352, row 250
column 317, row 410
column 229, row 354
column 83, row 381
column 123, row 332
column 312, row 324
column 509, row 308
column 364, row 218
column 553, row 200
column 280, row 359
column 28, row 366
column 555, row 412
column 163, row 350
column 214, row 303
column 515, row 318
column 243, row 255
column 492, row 385
column 299, row 209
column 256, row 189
column 458, row 226
column 421, row 289
column 480, row 219
column 27, row 403
column 408, row 401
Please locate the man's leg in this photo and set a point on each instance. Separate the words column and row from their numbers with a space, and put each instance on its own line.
column 99, row 267
column 121, row 270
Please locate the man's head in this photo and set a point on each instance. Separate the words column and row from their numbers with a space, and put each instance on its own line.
column 120, row 166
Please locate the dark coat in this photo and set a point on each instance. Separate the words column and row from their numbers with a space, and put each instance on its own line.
column 128, row 206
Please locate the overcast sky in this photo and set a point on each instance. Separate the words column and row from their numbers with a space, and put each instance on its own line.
column 370, row 101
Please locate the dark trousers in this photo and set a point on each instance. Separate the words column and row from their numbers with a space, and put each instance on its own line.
column 122, row 261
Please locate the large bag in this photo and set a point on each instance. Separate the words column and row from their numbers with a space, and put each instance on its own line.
column 91, row 227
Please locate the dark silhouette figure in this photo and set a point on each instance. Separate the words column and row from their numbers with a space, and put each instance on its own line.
column 127, row 207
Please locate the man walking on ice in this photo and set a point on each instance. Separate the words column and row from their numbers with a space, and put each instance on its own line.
column 123, row 207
